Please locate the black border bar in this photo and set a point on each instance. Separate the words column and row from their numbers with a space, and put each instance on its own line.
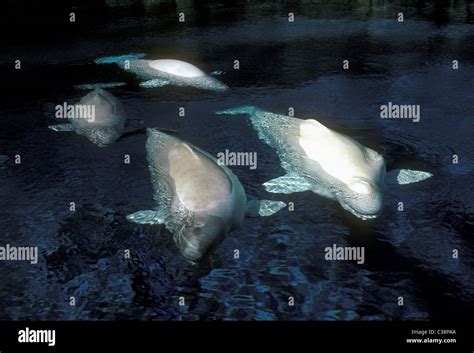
column 237, row 336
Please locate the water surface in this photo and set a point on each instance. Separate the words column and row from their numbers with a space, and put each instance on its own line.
column 282, row 65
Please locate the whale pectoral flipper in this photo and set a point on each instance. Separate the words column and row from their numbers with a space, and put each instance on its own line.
column 147, row 217
column 61, row 127
column 287, row 184
column 156, row 82
column 406, row 176
column 263, row 208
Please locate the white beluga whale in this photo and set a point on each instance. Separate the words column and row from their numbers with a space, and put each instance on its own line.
column 98, row 116
column 162, row 72
column 197, row 199
column 325, row 162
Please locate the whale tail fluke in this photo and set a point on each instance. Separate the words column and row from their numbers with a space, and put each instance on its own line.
column 92, row 86
column 244, row 109
column 119, row 58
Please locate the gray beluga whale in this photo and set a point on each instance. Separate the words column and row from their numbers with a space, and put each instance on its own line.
column 98, row 116
column 162, row 72
column 326, row 162
column 198, row 200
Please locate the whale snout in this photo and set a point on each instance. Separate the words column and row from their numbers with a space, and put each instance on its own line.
column 213, row 84
column 221, row 86
column 201, row 237
column 367, row 207
column 363, row 199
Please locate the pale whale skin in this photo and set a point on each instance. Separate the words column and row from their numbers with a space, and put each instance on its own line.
column 336, row 166
column 325, row 162
column 161, row 72
column 197, row 200
column 176, row 72
column 108, row 123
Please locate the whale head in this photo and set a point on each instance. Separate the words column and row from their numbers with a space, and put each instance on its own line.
column 200, row 237
column 363, row 197
column 362, row 193
column 210, row 83
column 105, row 121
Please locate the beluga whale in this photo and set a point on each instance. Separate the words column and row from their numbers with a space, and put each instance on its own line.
column 162, row 72
column 198, row 199
column 325, row 162
column 98, row 116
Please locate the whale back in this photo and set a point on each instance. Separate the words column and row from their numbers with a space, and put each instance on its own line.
column 199, row 182
column 187, row 175
column 338, row 155
column 108, row 111
column 176, row 67
column 108, row 118
column 162, row 72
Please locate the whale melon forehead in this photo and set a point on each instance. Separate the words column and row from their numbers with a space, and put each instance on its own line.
column 104, row 109
column 103, row 106
column 200, row 183
column 338, row 155
column 176, row 67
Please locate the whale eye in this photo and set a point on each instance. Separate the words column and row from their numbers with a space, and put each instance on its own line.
column 197, row 230
column 362, row 187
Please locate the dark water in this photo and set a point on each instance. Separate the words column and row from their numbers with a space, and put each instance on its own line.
column 282, row 65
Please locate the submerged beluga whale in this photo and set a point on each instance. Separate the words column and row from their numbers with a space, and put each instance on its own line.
column 162, row 72
column 198, row 200
column 106, row 123
column 325, row 162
